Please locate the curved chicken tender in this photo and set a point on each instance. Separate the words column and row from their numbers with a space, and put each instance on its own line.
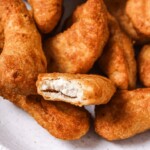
column 22, row 58
column 77, row 89
column 144, row 65
column 127, row 114
column 117, row 60
column 76, row 49
column 60, row 119
column 133, row 16
column 46, row 13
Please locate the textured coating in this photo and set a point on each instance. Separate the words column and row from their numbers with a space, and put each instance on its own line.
column 46, row 13
column 62, row 120
column 133, row 16
column 76, row 49
column 127, row 114
column 117, row 60
column 22, row 57
column 144, row 65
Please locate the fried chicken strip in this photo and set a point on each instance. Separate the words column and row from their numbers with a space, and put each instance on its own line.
column 76, row 49
column 127, row 114
column 144, row 65
column 62, row 120
column 46, row 13
column 77, row 89
column 133, row 16
column 117, row 60
column 22, row 57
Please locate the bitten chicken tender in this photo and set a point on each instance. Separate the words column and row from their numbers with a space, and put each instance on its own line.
column 133, row 16
column 127, row 114
column 144, row 65
column 77, row 89
column 22, row 57
column 76, row 49
column 46, row 13
column 60, row 119
column 117, row 60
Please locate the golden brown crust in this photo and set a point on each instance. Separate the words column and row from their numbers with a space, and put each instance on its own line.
column 133, row 17
column 60, row 119
column 76, row 49
column 127, row 114
column 117, row 60
column 144, row 65
column 96, row 89
column 138, row 12
column 22, row 58
column 46, row 13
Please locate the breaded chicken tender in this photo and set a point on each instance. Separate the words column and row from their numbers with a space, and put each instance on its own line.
column 77, row 89
column 117, row 60
column 133, row 16
column 62, row 120
column 46, row 13
column 76, row 49
column 127, row 114
column 144, row 65
column 22, row 57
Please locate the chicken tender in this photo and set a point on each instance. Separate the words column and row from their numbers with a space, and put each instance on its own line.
column 117, row 60
column 133, row 16
column 22, row 57
column 60, row 119
column 144, row 65
column 127, row 114
column 77, row 89
column 76, row 49
column 46, row 13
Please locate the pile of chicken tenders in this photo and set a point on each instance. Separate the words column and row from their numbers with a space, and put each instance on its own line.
column 48, row 76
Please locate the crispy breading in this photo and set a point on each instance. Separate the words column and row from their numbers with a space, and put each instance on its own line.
column 76, row 49
column 22, row 57
column 133, row 16
column 77, row 89
column 46, row 13
column 62, row 120
column 127, row 114
column 117, row 60
column 144, row 65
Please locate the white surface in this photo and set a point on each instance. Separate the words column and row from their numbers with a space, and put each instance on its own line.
column 18, row 131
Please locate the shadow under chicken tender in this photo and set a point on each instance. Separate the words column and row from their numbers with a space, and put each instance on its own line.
column 1, row 38
column 127, row 114
column 22, row 57
column 133, row 16
column 46, row 13
column 144, row 65
column 62, row 120
column 117, row 60
column 76, row 49
column 1, row 33
column 77, row 89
